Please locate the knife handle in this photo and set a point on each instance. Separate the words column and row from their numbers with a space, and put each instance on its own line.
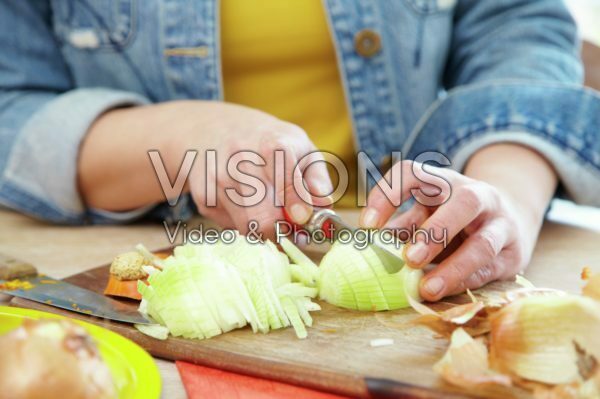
column 382, row 388
column 11, row 268
column 323, row 223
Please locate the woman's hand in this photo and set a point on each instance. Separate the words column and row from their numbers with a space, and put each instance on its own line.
column 115, row 172
column 495, row 224
column 246, row 140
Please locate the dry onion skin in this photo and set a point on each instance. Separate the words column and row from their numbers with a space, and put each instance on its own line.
column 543, row 340
column 592, row 288
column 472, row 317
column 466, row 363
column 52, row 359
column 537, row 338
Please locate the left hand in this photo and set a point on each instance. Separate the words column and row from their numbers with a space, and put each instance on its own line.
column 498, row 241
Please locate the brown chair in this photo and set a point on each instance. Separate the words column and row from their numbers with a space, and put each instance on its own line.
column 591, row 61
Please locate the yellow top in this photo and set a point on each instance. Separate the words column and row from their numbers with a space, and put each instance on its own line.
column 278, row 56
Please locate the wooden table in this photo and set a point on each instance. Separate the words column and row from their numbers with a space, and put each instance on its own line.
column 591, row 59
column 61, row 251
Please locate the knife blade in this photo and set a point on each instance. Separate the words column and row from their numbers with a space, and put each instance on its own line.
column 43, row 289
column 392, row 262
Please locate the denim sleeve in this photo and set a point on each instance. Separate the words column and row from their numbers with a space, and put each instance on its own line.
column 43, row 118
column 513, row 76
column 534, row 40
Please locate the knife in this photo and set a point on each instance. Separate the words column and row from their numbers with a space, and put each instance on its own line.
column 21, row 279
column 382, row 388
column 392, row 262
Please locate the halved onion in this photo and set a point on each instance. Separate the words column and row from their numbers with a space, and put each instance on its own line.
column 356, row 279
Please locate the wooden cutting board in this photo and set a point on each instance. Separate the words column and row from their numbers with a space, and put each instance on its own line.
column 336, row 357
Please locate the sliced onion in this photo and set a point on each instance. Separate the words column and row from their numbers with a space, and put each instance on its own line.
column 205, row 290
column 356, row 279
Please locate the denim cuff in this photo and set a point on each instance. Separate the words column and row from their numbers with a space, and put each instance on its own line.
column 580, row 183
column 561, row 122
column 160, row 213
column 40, row 178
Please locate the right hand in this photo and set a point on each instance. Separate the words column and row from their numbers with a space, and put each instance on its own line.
column 229, row 129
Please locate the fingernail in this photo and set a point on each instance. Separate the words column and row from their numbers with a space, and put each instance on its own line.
column 300, row 213
column 417, row 253
column 370, row 219
column 323, row 189
column 434, row 286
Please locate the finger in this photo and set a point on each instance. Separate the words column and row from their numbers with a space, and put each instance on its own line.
column 406, row 225
column 284, row 151
column 504, row 267
column 220, row 217
column 415, row 216
column 316, row 177
column 477, row 252
column 251, row 205
column 213, row 211
column 218, row 213
column 394, row 189
column 264, row 214
column 465, row 205
column 481, row 277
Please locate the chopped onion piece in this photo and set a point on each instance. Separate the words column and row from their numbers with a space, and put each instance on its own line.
column 153, row 330
column 375, row 343
column 208, row 289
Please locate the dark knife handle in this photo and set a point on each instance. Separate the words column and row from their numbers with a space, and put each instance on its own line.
column 11, row 268
column 381, row 388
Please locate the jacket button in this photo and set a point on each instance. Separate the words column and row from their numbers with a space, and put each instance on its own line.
column 367, row 43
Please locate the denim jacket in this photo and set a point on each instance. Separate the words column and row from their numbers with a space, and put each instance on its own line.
column 450, row 76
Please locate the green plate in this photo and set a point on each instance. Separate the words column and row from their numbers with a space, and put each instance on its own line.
column 134, row 372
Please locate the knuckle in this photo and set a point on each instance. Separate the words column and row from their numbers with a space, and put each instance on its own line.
column 234, row 146
column 436, row 226
column 266, row 145
column 461, row 286
column 457, row 271
column 405, row 164
column 474, row 281
column 485, row 273
column 488, row 244
column 274, row 136
column 482, row 276
column 263, row 215
column 469, row 196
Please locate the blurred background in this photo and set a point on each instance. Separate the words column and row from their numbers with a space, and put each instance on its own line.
column 587, row 15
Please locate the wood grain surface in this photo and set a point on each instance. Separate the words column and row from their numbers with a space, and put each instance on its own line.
column 590, row 55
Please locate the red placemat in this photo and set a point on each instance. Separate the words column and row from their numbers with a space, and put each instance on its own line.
column 204, row 382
